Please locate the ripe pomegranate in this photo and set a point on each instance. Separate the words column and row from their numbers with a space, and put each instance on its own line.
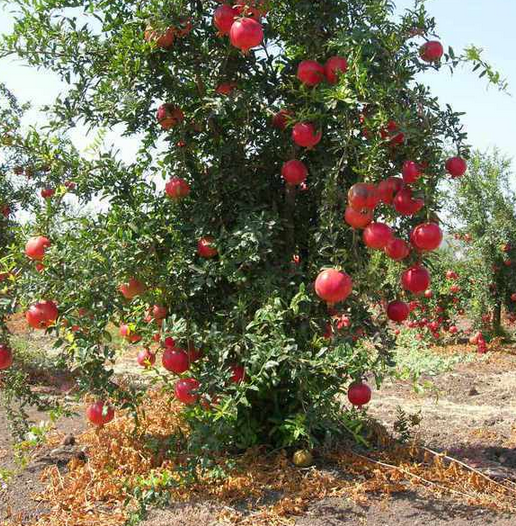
column 162, row 38
column 456, row 166
column 132, row 288
column 453, row 329
column 100, row 414
column 304, row 134
column 169, row 343
column 224, row 18
column 281, row 118
column 42, row 314
column 359, row 394
column 431, row 51
column 146, row 358
column 398, row 311
column 47, row 193
column 334, row 67
column 185, row 390
column 455, row 289
column 169, row 116
column 404, row 203
column 428, row 294
column 177, row 188
column 6, row 357
column 225, row 88
column 175, row 360
column 246, row 33
column 358, row 219
column 416, row 279
column 451, row 274
column 333, row 286
column 194, row 355
column 513, row 296
column 294, row 172
column 237, row 374
column 427, row 237
column 388, row 188
column 128, row 334
column 310, row 72
column 36, row 246
column 377, row 235
column 363, row 195
column 159, row 312
column 391, row 132
column 397, row 249
column 206, row 248
column 411, row 171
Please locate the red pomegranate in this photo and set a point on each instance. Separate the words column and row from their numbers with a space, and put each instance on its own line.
column 175, row 360
column 185, row 390
column 36, row 246
column 411, row 171
column 304, row 134
column 377, row 235
column 163, row 38
column 416, row 279
column 431, row 51
column 194, row 355
column 363, row 195
column 237, row 374
column 128, row 334
column 132, row 288
column 146, row 358
column 100, row 414
column 225, row 88
column 42, row 314
column 294, row 172
column 404, row 203
column 159, row 312
column 206, row 248
column 428, row 294
column 358, row 219
column 456, row 166
column 455, row 289
column 388, row 188
column 359, row 394
column 513, row 296
column 169, row 116
column 398, row 311
column 281, row 118
column 310, row 72
column 334, row 67
column 391, row 132
column 451, row 274
column 333, row 286
column 397, row 249
column 453, row 329
column 6, row 357
column 169, row 343
column 427, row 237
column 47, row 193
column 246, row 33
column 224, row 18
column 177, row 188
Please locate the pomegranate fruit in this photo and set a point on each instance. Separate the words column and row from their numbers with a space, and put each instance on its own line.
column 281, row 118
column 427, row 237
column 169, row 116
column 47, row 193
column 397, row 249
column 132, row 288
column 128, row 334
column 36, row 246
column 398, row 311
column 431, row 51
column 334, row 67
column 100, row 414
column 246, row 33
column 304, row 134
column 404, row 203
column 177, row 188
column 377, row 235
column 159, row 312
column 388, row 188
column 310, row 72
column 224, row 18
column 175, row 360
column 416, row 279
column 363, row 195
column 456, row 166
column 294, row 172
column 359, row 394
column 6, row 357
column 237, row 374
column 42, row 314
column 162, row 38
column 206, row 248
column 358, row 219
column 146, row 358
column 333, row 286
column 411, row 172
column 185, row 390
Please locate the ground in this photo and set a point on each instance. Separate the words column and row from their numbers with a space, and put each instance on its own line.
column 467, row 409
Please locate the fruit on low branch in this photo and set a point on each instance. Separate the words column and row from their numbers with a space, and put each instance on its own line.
column 177, row 188
column 294, row 172
column 427, row 237
column 405, row 204
column 359, row 394
column 280, row 119
column 388, row 188
column 397, row 249
column 6, row 357
column 175, row 360
column 333, row 286
column 398, row 311
column 377, row 235
column 237, row 374
column 411, row 172
column 358, row 219
column 128, row 334
column 146, row 358
column 36, row 246
column 100, row 413
column 42, row 314
column 416, row 279
column 310, row 72
column 304, row 134
column 363, row 195
column 185, row 390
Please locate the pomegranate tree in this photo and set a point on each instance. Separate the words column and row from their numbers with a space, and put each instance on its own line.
column 251, row 222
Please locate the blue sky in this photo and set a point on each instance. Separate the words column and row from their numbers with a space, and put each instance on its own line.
column 489, row 24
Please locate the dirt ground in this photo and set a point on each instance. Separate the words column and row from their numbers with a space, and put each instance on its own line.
column 470, row 413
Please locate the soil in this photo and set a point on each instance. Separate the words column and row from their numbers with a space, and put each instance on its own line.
column 469, row 412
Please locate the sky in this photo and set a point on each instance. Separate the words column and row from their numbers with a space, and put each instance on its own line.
column 490, row 118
